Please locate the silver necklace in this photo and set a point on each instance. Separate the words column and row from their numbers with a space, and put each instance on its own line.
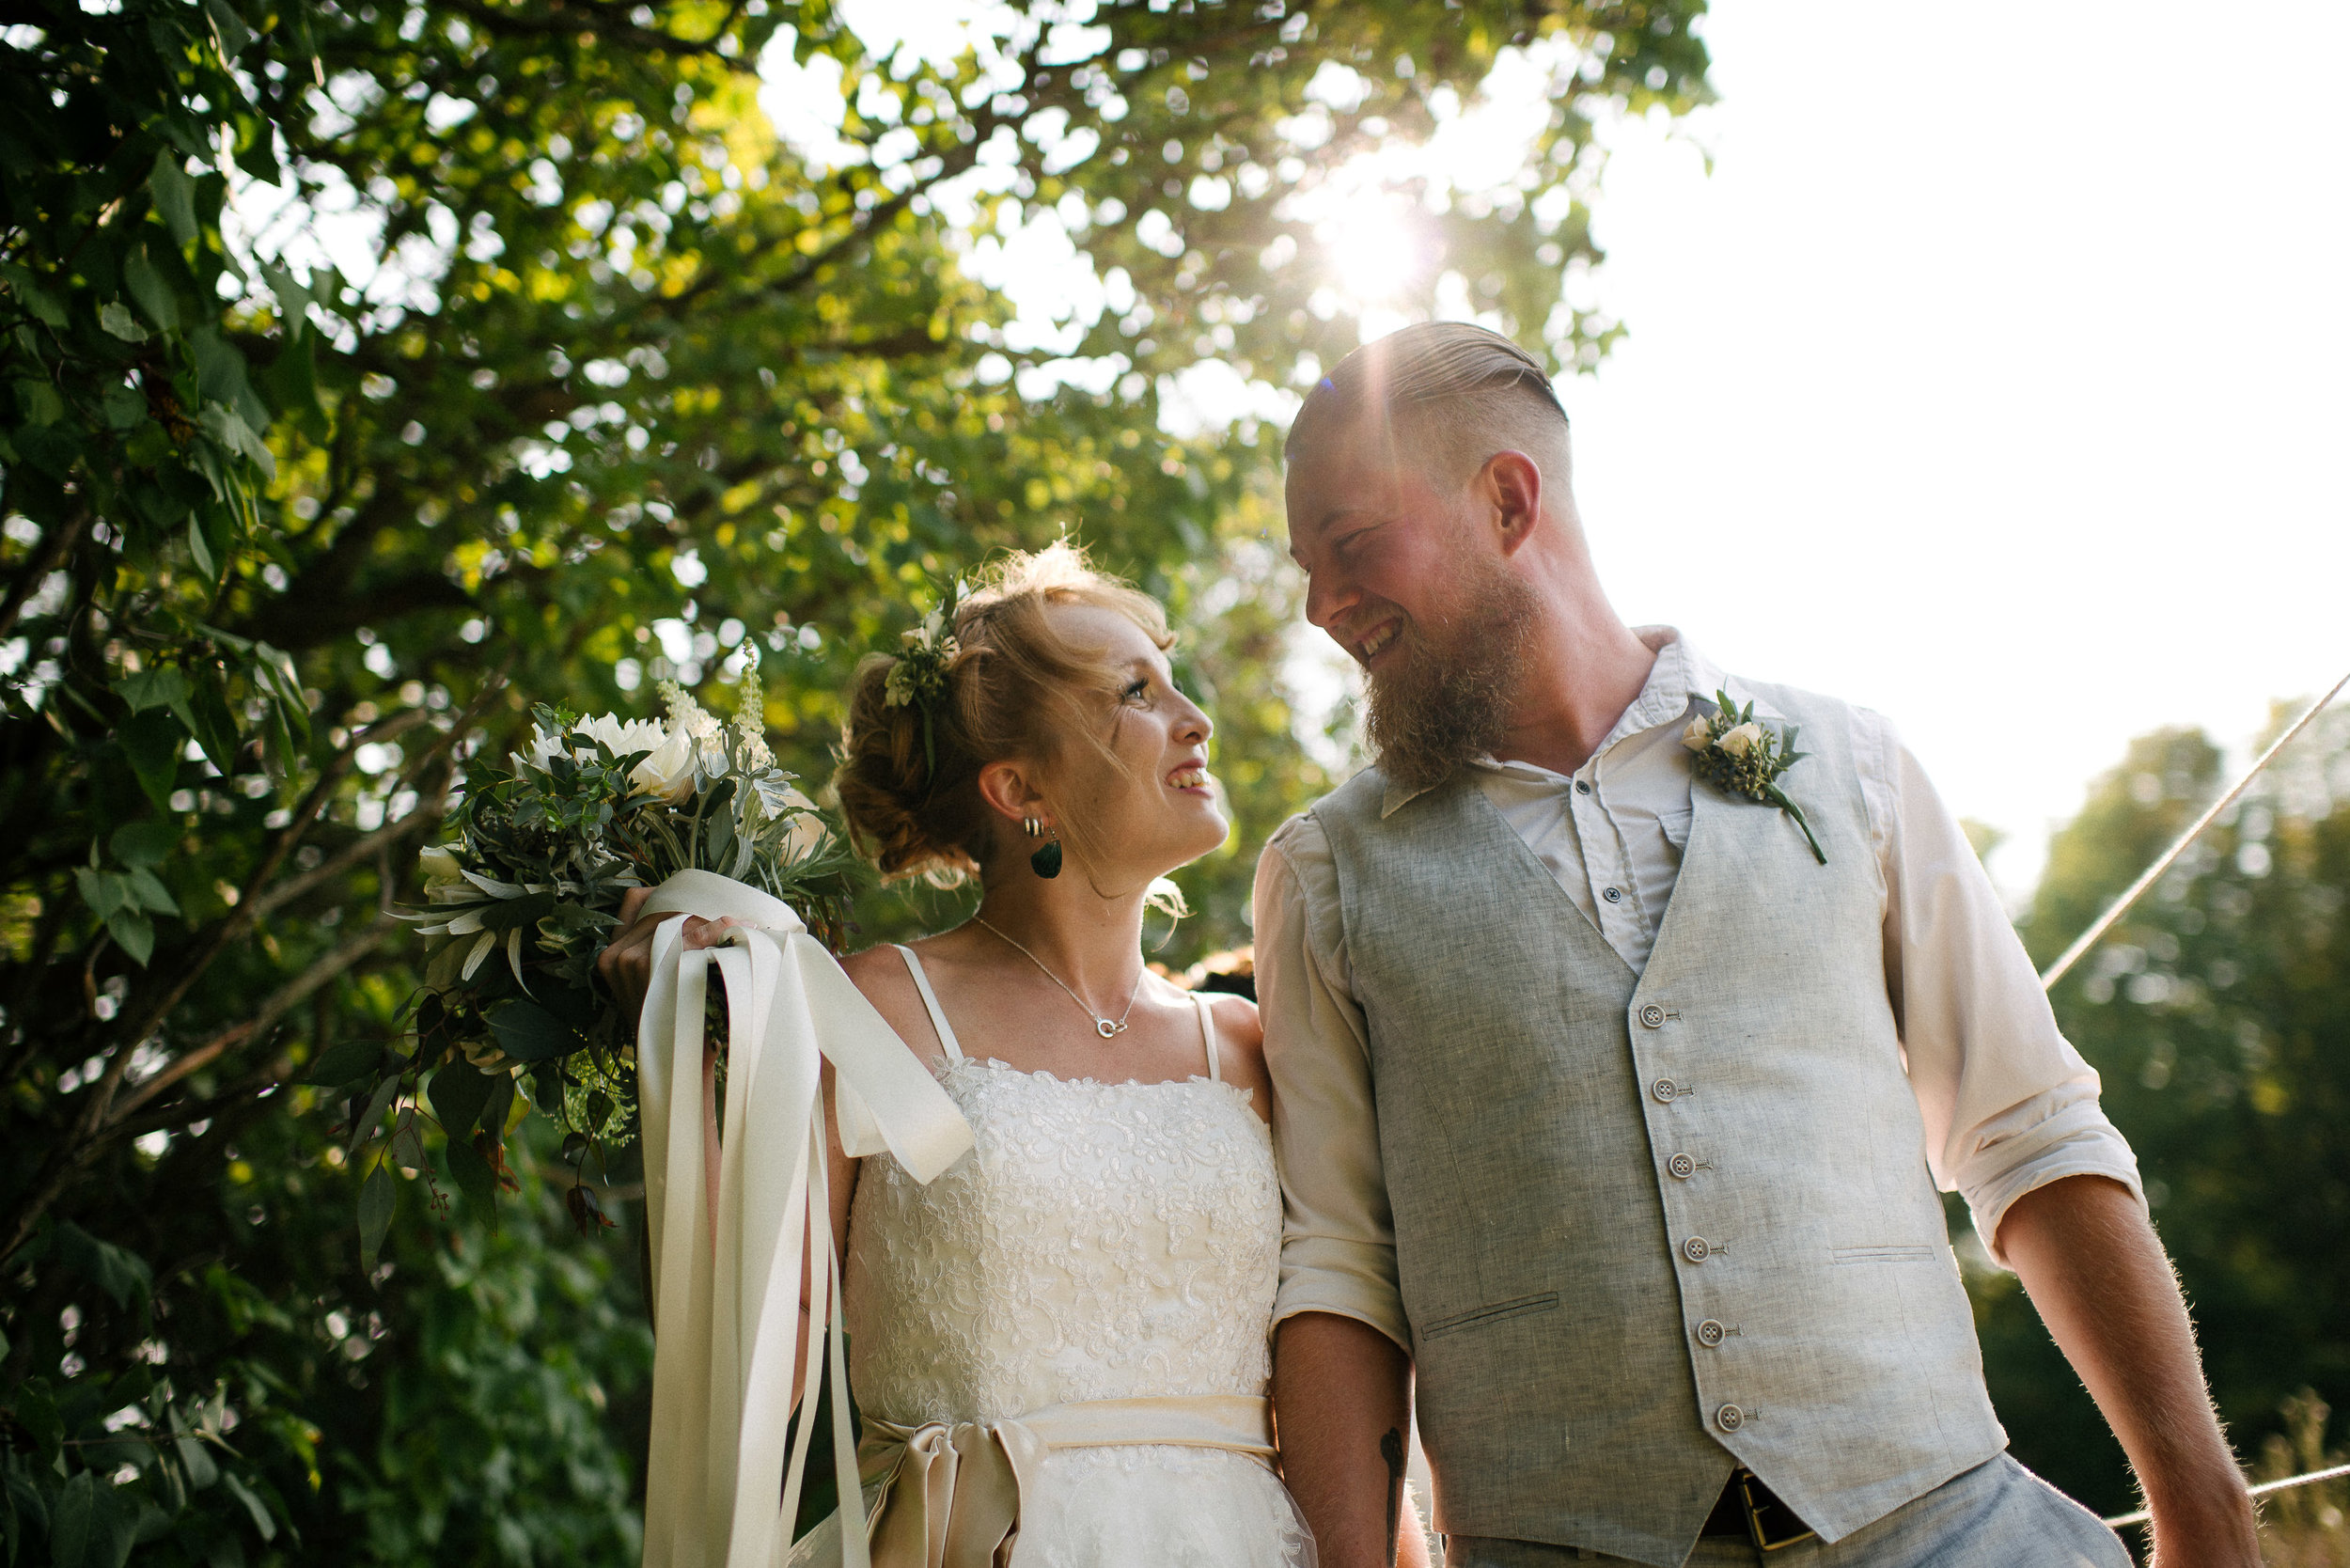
column 1107, row 1028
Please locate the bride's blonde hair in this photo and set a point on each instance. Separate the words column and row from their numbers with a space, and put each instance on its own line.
column 1017, row 686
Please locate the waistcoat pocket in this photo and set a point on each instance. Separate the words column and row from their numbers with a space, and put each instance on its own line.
column 1477, row 1317
column 1887, row 1254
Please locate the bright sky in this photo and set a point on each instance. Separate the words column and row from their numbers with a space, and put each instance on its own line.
column 1993, row 377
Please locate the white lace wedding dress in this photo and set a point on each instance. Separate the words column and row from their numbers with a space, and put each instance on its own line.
column 1102, row 1241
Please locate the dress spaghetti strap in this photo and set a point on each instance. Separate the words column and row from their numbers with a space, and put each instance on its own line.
column 929, row 1000
column 1207, row 1037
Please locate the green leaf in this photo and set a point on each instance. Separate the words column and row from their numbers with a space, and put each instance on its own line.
column 151, row 743
column 147, row 288
column 501, row 1105
column 215, row 730
column 174, row 196
column 378, row 1196
column 135, row 933
column 228, row 29
column 145, row 844
column 124, row 407
column 407, row 1147
column 293, row 300
column 457, row 1093
column 199, row 548
column 120, row 323
column 69, row 1521
column 528, row 1032
column 196, row 1459
column 245, row 1494
column 114, row 1529
column 37, row 300
column 104, row 891
column 150, row 890
column 346, row 1063
column 474, row 1176
column 36, row 1410
column 121, row 1274
column 152, row 688
column 364, row 1128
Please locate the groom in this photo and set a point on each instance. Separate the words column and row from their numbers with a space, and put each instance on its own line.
column 1610, row 1117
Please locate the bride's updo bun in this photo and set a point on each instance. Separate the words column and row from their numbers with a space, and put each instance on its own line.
column 1014, row 687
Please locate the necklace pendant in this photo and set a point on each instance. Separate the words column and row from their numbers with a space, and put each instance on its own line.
column 1107, row 1029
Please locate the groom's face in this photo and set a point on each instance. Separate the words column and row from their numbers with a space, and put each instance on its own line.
column 1390, row 547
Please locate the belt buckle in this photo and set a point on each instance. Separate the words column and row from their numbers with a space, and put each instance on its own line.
column 1768, row 1533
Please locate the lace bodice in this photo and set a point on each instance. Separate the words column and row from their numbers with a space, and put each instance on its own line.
column 1100, row 1241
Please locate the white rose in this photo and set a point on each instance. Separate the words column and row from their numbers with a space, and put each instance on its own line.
column 808, row 830
column 442, row 880
column 1742, row 740
column 668, row 773
column 623, row 736
column 1699, row 734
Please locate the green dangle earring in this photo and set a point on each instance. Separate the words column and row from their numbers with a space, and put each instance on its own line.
column 1045, row 862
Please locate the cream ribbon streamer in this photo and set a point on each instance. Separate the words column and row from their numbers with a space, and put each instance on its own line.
column 949, row 1494
column 727, row 1284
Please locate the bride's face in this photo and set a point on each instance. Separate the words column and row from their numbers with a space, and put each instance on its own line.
column 1158, row 809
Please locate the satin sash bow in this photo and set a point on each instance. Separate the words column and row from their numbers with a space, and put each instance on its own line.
column 726, row 1264
column 950, row 1493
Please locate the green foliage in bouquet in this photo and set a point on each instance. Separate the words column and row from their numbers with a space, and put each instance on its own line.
column 513, row 1013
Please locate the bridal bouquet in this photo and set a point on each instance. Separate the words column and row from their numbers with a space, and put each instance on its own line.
column 530, row 893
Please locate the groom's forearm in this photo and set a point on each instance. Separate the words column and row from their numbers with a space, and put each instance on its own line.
column 2103, row 1285
column 1341, row 1393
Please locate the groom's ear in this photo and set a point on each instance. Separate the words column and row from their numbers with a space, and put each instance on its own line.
column 1510, row 488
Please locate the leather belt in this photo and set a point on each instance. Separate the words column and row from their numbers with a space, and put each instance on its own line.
column 1751, row 1511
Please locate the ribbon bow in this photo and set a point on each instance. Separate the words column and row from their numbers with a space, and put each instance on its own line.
column 947, row 1495
column 726, row 1263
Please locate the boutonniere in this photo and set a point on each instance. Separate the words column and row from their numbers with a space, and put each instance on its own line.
column 1743, row 757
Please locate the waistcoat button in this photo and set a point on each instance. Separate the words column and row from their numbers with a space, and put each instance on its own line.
column 1682, row 1165
column 1651, row 1017
column 1729, row 1417
column 1582, row 786
column 1612, row 894
column 1709, row 1332
column 1696, row 1250
column 1664, row 1090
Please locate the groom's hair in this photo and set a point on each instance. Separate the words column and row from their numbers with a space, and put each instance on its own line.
column 1444, row 394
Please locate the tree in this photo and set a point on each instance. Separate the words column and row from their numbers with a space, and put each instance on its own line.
column 616, row 379
column 2215, row 1016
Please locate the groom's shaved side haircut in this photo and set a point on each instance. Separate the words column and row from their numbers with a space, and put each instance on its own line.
column 1445, row 396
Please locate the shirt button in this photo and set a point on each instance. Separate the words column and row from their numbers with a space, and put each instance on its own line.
column 1613, row 895
column 1651, row 1017
column 1709, row 1332
column 1682, row 1165
column 1664, row 1090
column 1582, row 786
column 1696, row 1250
column 1729, row 1417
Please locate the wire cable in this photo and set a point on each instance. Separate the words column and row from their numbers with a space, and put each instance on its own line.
column 2137, row 890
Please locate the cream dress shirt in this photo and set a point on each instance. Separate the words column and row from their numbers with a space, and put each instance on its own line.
column 2009, row 1105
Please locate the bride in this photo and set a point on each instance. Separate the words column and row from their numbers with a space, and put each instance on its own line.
column 1061, row 1341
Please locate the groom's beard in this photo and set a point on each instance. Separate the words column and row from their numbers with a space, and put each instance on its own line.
column 1447, row 697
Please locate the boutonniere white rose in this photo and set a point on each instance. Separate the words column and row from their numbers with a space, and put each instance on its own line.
column 1743, row 757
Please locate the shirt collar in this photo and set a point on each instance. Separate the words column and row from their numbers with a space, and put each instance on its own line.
column 1681, row 679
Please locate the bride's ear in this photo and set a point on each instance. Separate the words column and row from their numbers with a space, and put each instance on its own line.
column 1009, row 791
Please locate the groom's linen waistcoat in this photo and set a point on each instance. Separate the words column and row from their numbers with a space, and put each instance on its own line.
column 1649, row 1225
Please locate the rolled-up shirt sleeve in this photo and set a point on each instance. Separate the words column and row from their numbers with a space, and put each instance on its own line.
column 1337, row 1235
column 2009, row 1105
